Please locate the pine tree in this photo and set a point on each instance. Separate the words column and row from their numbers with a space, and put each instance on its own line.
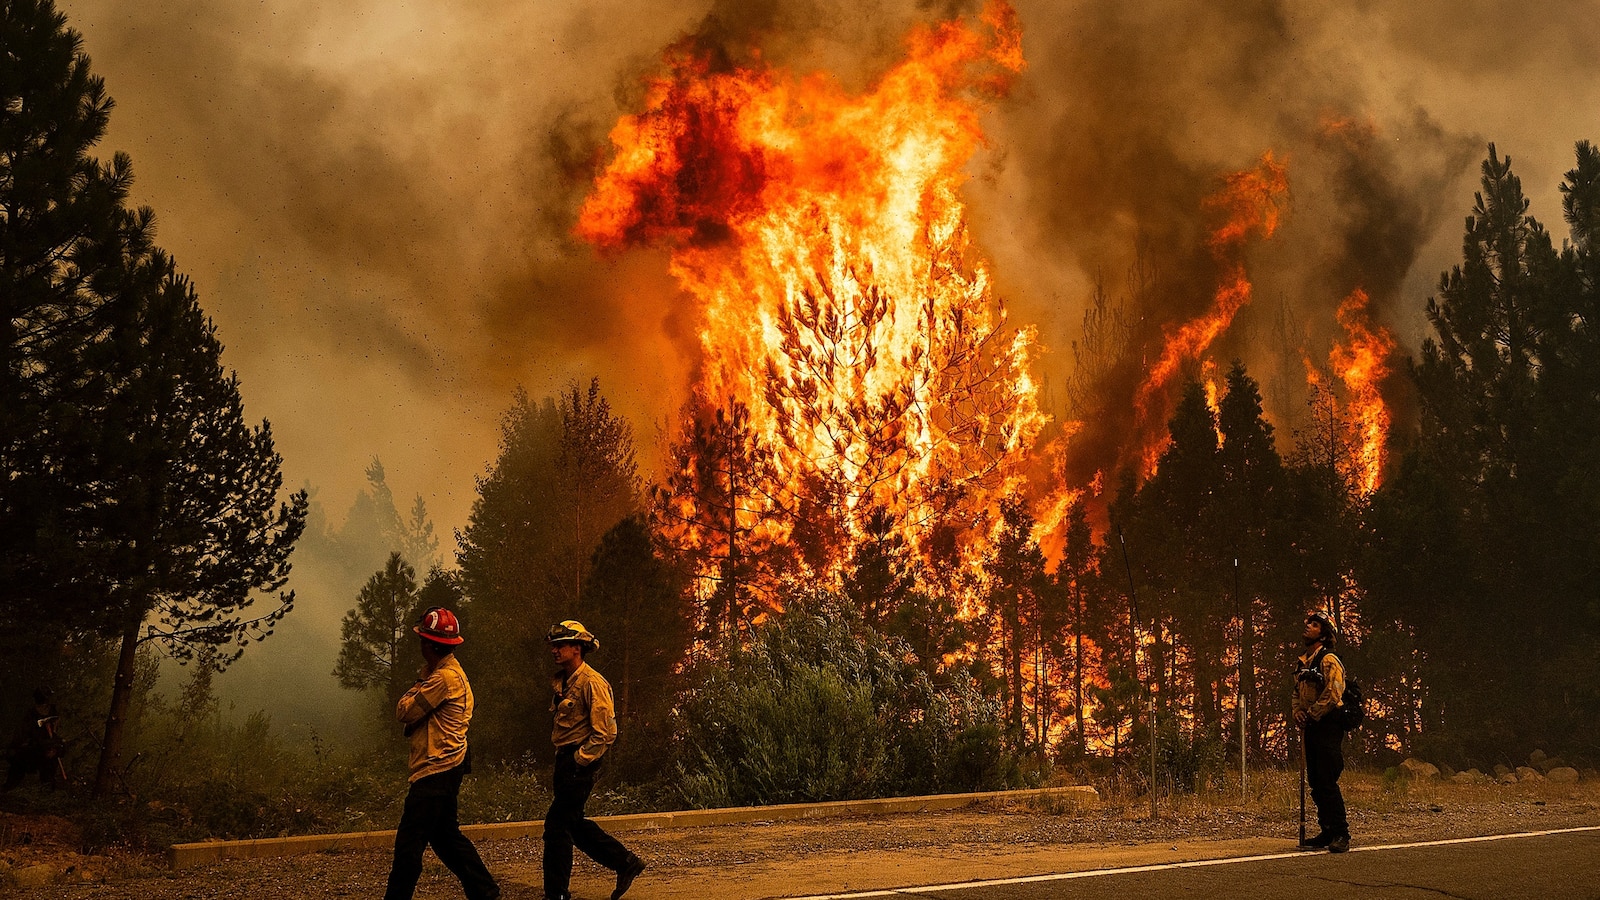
column 1249, row 496
column 1487, row 497
column 65, row 242
column 565, row 475
column 1182, row 555
column 635, row 602
column 189, row 525
column 137, row 503
column 376, row 640
column 1015, row 570
column 1073, row 580
column 717, row 523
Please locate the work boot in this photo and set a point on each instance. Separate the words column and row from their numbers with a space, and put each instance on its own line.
column 1339, row 844
column 1320, row 842
column 625, row 876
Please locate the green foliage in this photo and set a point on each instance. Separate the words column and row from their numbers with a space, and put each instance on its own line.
column 136, row 500
column 1484, row 544
column 377, row 645
column 638, row 603
column 1017, row 592
column 1186, row 760
column 821, row 707
column 565, row 476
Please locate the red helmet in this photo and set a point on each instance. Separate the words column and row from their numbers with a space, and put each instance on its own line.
column 440, row 626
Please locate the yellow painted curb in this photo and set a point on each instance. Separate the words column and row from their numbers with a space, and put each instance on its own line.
column 183, row 856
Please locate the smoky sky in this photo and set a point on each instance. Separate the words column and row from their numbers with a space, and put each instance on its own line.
column 375, row 199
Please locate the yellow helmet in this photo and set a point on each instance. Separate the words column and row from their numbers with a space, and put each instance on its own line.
column 571, row 631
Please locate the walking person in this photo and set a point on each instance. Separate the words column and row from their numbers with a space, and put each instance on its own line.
column 585, row 727
column 1318, row 694
column 435, row 713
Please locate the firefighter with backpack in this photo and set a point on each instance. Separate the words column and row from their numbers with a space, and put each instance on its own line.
column 1319, row 700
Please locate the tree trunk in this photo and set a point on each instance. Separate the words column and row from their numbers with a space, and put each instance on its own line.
column 121, row 696
column 1247, row 672
column 1077, row 663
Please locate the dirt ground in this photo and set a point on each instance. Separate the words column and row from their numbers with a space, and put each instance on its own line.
column 759, row 860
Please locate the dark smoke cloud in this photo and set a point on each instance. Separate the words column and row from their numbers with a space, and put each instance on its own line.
column 375, row 198
column 1131, row 114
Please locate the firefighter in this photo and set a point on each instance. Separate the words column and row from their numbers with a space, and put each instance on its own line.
column 36, row 747
column 1318, row 694
column 435, row 713
column 585, row 727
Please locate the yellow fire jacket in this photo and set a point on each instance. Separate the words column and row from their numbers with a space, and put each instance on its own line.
column 584, row 714
column 439, row 744
column 1317, row 700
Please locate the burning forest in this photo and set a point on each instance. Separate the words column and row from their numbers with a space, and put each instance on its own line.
column 865, row 417
column 1014, row 399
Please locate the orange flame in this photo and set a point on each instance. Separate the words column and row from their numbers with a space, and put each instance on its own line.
column 1250, row 202
column 823, row 239
column 1362, row 365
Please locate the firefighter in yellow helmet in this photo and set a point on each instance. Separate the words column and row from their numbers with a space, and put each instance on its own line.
column 585, row 728
column 434, row 714
column 1318, row 692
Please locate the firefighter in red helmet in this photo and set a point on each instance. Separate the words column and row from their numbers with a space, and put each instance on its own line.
column 435, row 713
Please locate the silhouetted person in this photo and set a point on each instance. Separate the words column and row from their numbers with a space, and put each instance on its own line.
column 1318, row 693
column 36, row 748
column 435, row 713
column 585, row 727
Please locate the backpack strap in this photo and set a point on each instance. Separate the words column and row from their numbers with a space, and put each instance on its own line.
column 1316, row 663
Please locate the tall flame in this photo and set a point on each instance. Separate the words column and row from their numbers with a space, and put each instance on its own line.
column 841, row 304
column 1249, row 202
column 1363, row 364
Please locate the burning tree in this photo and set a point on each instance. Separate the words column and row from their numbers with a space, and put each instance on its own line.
column 855, row 368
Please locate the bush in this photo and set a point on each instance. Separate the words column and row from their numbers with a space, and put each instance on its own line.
column 821, row 707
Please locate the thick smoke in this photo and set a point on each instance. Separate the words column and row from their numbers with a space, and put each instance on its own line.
column 375, row 198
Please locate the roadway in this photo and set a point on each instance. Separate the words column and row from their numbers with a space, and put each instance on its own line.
column 1553, row 865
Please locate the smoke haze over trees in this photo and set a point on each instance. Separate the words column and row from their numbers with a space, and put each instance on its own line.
column 267, row 135
column 390, row 281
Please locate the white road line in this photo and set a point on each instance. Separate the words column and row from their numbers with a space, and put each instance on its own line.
column 1192, row 864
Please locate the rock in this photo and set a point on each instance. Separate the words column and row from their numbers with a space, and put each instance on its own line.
column 1550, row 762
column 1529, row 775
column 1501, row 770
column 1563, row 775
column 1508, row 778
column 1416, row 768
column 1536, row 757
column 1471, row 776
column 38, row 875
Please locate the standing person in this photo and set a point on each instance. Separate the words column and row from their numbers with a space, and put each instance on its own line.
column 1318, row 694
column 585, row 727
column 435, row 713
column 36, row 747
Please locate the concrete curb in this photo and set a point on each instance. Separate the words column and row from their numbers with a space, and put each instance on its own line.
column 183, row 856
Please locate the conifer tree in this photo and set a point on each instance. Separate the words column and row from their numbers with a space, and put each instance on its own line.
column 565, row 475
column 376, row 642
column 137, row 504
column 635, row 601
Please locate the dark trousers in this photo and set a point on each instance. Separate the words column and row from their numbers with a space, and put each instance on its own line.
column 565, row 826
column 1324, row 764
column 430, row 818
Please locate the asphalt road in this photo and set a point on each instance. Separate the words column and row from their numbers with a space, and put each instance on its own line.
column 1551, row 866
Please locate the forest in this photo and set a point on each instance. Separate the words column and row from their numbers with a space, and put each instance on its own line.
column 829, row 591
